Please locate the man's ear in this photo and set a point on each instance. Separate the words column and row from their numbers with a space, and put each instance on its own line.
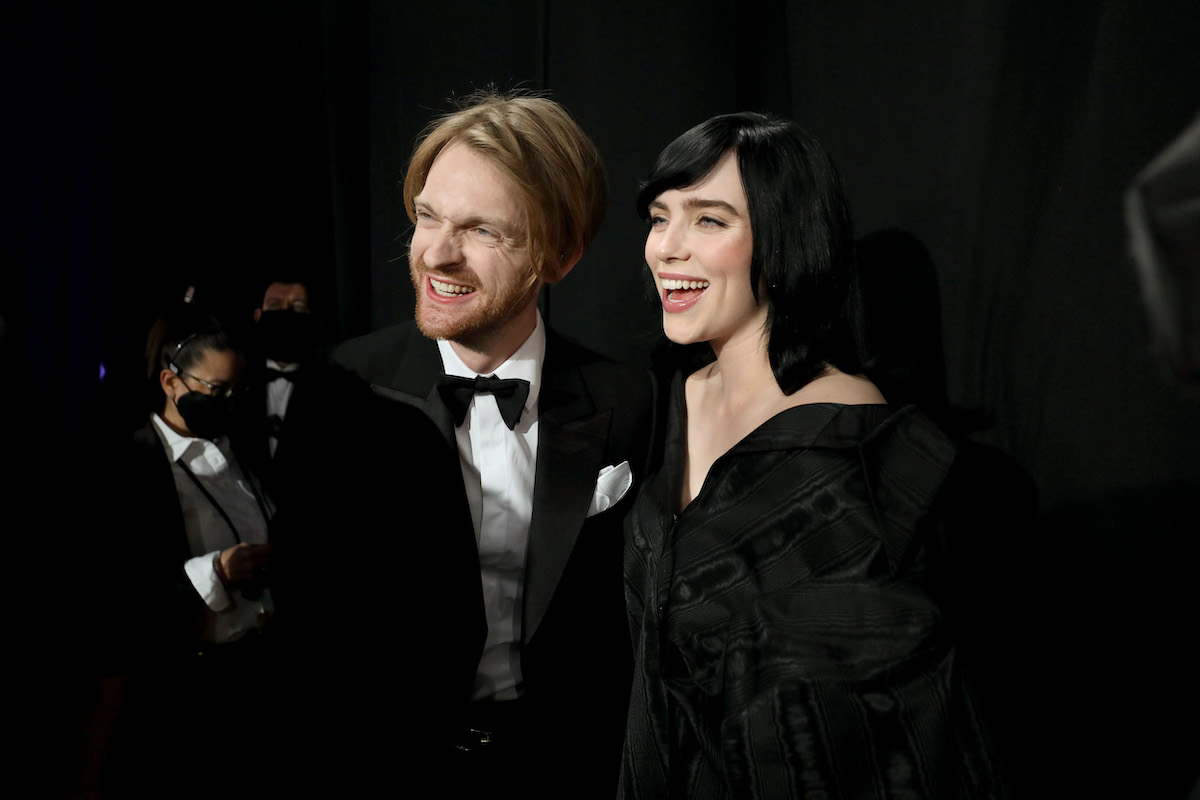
column 565, row 265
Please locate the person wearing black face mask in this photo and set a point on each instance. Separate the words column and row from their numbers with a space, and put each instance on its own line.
column 287, row 336
column 226, row 512
column 203, row 490
column 204, row 415
column 187, row 594
column 291, row 424
column 292, row 414
column 286, row 325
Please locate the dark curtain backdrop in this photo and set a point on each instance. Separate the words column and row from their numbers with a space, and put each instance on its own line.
column 220, row 144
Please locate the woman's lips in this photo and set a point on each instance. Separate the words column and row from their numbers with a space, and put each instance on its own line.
column 681, row 292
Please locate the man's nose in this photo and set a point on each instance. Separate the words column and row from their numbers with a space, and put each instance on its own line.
column 444, row 248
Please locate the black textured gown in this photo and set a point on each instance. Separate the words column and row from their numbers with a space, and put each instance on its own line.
column 787, row 645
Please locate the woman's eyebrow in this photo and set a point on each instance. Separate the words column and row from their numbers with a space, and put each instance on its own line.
column 693, row 203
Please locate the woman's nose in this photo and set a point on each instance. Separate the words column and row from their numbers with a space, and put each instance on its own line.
column 670, row 244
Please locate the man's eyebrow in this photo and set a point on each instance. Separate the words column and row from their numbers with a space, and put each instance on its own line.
column 502, row 225
column 476, row 221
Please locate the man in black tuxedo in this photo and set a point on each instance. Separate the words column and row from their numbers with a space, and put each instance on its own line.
column 298, row 402
column 287, row 331
column 505, row 194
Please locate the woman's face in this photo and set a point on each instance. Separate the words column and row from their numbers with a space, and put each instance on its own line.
column 215, row 374
column 699, row 251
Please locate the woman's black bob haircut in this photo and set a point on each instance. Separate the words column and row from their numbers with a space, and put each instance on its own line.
column 803, row 242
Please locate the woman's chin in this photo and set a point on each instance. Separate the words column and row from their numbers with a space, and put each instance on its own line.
column 680, row 335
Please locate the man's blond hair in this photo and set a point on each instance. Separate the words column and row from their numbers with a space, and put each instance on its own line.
column 539, row 147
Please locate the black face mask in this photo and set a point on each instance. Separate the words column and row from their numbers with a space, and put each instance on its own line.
column 206, row 416
column 287, row 336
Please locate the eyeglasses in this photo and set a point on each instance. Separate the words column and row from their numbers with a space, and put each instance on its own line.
column 275, row 304
column 214, row 389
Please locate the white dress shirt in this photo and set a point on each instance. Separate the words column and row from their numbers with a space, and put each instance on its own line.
column 228, row 614
column 498, row 468
column 279, row 394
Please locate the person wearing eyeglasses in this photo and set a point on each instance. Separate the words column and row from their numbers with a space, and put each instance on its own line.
column 182, row 592
column 203, row 491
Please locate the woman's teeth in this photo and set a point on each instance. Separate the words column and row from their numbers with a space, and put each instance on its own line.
column 671, row 284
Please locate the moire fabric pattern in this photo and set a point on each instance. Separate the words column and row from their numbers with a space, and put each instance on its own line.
column 786, row 643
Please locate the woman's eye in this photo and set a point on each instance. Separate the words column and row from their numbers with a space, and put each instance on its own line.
column 711, row 222
column 424, row 217
column 657, row 221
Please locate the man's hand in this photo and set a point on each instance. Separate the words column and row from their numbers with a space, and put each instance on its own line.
column 243, row 562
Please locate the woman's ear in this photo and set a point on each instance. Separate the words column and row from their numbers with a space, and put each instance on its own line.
column 167, row 380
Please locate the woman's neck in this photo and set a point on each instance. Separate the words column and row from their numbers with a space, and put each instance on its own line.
column 741, row 376
column 725, row 401
column 170, row 415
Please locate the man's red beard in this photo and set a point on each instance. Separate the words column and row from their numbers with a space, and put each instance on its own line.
column 477, row 321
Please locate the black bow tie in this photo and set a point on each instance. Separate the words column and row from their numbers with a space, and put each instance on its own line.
column 510, row 396
column 276, row 374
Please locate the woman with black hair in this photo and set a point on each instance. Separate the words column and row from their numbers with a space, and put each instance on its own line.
column 217, row 559
column 787, row 644
column 187, row 707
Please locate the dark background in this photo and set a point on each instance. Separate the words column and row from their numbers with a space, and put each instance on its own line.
column 220, row 144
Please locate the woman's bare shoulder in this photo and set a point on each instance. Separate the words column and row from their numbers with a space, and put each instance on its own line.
column 835, row 386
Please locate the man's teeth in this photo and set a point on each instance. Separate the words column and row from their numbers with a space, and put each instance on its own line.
column 670, row 284
column 441, row 287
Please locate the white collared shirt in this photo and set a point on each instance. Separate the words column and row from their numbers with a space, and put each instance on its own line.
column 228, row 614
column 279, row 394
column 498, row 469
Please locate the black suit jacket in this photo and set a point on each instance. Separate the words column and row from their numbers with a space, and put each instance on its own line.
column 164, row 710
column 576, row 655
column 152, row 550
column 326, row 404
column 152, row 554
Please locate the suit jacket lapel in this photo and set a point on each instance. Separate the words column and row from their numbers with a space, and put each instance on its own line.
column 571, row 446
column 572, row 439
column 415, row 383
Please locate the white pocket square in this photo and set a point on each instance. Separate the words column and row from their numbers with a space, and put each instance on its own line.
column 611, row 485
